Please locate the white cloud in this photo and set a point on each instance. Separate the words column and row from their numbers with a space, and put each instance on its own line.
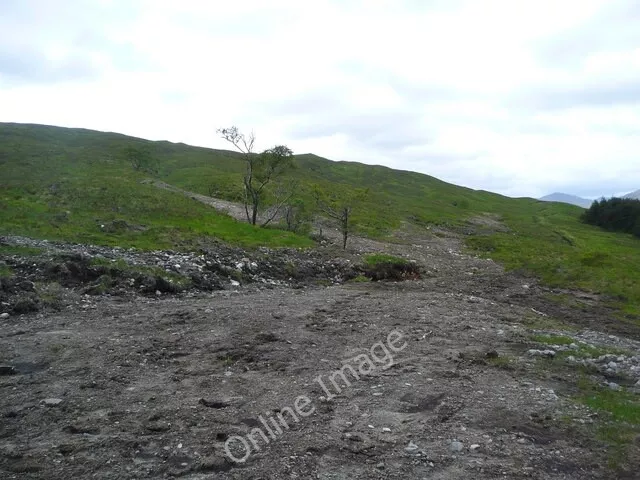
column 521, row 98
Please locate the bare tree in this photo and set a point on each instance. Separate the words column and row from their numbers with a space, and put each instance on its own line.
column 339, row 208
column 261, row 170
column 296, row 215
column 281, row 195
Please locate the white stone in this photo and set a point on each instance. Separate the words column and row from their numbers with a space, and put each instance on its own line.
column 411, row 448
column 235, row 283
column 541, row 353
column 456, row 446
column 474, row 447
column 4, row 315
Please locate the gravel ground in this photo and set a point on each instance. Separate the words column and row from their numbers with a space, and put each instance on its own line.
column 433, row 378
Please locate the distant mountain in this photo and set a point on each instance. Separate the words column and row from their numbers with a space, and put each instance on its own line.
column 635, row 195
column 566, row 198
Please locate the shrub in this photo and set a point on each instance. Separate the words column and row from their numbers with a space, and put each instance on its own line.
column 387, row 267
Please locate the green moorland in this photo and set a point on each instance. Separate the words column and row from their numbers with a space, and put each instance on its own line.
column 75, row 185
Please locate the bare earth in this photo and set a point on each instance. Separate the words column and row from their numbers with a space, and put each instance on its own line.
column 144, row 387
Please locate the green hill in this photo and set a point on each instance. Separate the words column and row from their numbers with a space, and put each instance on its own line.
column 75, row 185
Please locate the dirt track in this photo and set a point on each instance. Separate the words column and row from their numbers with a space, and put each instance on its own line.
column 153, row 388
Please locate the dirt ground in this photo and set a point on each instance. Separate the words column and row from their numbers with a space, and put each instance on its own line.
column 145, row 387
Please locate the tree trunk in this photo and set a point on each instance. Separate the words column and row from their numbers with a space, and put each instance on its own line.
column 254, row 213
column 246, row 211
column 345, row 229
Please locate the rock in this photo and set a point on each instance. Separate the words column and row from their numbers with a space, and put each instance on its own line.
column 81, row 429
column 4, row 315
column 541, row 353
column 52, row 402
column 380, row 466
column 11, row 451
column 235, row 283
column 613, row 386
column 157, row 426
column 386, row 429
column 612, row 365
column 474, row 447
column 456, row 446
column 411, row 448
column 214, row 463
column 7, row 370
column 213, row 403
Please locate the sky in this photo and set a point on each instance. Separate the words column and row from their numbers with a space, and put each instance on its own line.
column 519, row 97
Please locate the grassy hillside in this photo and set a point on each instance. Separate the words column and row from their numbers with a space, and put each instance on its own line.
column 74, row 184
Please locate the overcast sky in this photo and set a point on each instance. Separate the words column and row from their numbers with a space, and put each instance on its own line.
column 518, row 97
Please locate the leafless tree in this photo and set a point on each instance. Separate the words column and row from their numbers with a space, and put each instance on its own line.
column 339, row 208
column 282, row 194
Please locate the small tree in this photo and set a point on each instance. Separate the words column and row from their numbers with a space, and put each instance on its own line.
column 339, row 207
column 139, row 157
column 297, row 216
column 261, row 170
